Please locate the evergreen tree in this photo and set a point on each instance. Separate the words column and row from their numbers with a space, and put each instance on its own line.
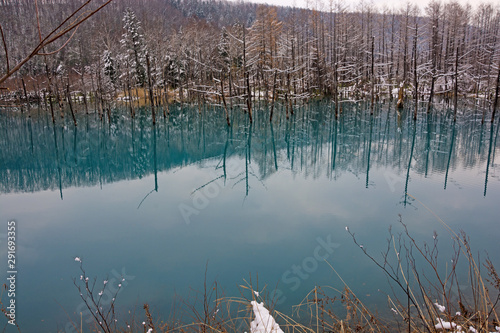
column 223, row 50
column 109, row 67
column 133, row 43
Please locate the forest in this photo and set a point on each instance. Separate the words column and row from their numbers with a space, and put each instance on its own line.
column 234, row 54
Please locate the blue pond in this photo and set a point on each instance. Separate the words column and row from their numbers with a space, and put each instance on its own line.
column 161, row 206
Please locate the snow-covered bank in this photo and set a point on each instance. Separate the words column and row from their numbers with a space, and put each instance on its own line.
column 263, row 322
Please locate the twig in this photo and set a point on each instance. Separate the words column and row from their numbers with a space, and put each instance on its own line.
column 5, row 48
column 54, row 35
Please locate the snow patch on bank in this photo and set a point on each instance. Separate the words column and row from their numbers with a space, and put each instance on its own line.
column 263, row 322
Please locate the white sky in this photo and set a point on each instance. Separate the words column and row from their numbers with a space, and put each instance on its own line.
column 314, row 4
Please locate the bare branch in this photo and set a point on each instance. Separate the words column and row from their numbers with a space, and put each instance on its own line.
column 5, row 48
column 54, row 35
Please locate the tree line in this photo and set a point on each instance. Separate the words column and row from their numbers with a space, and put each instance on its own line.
column 234, row 54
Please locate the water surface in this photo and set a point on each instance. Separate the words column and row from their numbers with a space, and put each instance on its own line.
column 160, row 204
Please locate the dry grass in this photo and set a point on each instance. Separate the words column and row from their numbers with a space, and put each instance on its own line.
column 327, row 309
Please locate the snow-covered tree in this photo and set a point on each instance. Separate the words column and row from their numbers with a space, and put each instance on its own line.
column 223, row 49
column 109, row 66
column 135, row 50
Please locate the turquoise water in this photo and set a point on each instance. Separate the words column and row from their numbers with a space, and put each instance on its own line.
column 160, row 205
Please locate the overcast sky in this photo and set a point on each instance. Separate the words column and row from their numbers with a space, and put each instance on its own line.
column 379, row 3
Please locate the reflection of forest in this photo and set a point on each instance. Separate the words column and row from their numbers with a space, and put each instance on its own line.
column 37, row 156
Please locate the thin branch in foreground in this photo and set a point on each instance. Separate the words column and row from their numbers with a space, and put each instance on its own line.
column 53, row 36
column 5, row 48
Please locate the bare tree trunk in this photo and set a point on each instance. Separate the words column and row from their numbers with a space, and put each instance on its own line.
column 431, row 94
column 99, row 98
column 373, row 76
column 19, row 98
column 249, row 98
column 68, row 97
column 455, row 94
column 289, row 99
column 84, row 91
column 230, row 91
column 274, row 97
column 36, row 88
column 401, row 95
column 415, row 78
column 495, row 102
column 130, row 97
column 50, row 92
column 224, row 99
column 150, row 86
column 58, row 99
column 166, row 102
column 26, row 98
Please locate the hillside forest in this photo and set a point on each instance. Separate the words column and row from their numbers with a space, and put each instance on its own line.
column 236, row 53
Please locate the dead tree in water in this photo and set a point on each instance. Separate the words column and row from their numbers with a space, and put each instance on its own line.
column 415, row 77
column 224, row 99
column 166, row 102
column 26, row 97
column 401, row 94
column 129, row 90
column 82, row 79
column 434, row 11
column 246, row 76
column 495, row 102
column 455, row 92
column 373, row 76
column 249, row 98
column 68, row 97
column 58, row 98
column 150, row 86
column 274, row 98
column 50, row 92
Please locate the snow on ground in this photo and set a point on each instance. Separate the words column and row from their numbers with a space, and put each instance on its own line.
column 263, row 322
column 440, row 307
column 446, row 325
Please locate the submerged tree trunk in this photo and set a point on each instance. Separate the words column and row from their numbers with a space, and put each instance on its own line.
column 431, row 94
column 224, row 99
column 68, row 97
column 274, row 98
column 26, row 98
column 249, row 98
column 495, row 101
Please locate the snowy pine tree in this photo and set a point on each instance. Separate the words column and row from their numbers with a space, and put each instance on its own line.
column 133, row 43
column 109, row 67
column 223, row 50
